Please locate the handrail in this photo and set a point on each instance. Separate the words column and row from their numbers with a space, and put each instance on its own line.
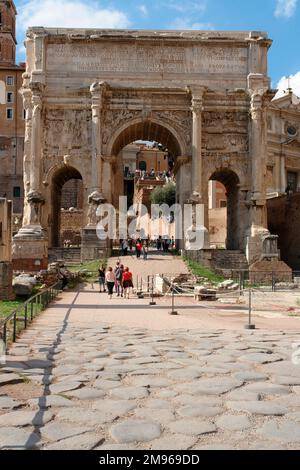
column 29, row 307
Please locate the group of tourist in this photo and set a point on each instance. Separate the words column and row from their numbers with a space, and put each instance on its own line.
column 119, row 278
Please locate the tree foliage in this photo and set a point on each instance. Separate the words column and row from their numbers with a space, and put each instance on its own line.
column 164, row 195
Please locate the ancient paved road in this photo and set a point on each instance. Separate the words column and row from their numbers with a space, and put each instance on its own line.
column 110, row 375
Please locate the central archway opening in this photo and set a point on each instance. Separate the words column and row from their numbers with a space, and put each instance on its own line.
column 67, row 207
column 146, row 153
column 224, row 209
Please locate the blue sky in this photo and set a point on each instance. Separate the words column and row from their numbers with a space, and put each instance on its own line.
column 280, row 18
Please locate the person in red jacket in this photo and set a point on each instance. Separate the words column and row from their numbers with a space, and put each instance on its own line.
column 127, row 282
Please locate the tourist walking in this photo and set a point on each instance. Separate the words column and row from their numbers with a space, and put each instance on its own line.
column 138, row 247
column 127, row 282
column 110, row 281
column 101, row 279
column 145, row 251
column 119, row 280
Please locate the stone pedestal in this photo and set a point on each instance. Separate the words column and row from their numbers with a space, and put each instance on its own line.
column 6, row 277
column 30, row 250
column 92, row 247
column 270, row 270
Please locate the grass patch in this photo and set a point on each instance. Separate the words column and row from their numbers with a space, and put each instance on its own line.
column 200, row 271
column 7, row 307
column 88, row 270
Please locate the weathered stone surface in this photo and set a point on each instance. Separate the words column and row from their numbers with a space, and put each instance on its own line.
column 199, row 410
column 284, row 431
column 25, row 418
column 50, row 401
column 64, row 386
column 187, row 373
column 192, row 427
column 258, row 407
column 175, row 441
column 9, row 403
column 267, row 388
column 129, row 393
column 133, row 431
column 250, row 376
column 233, row 422
column 260, row 358
column 86, row 393
column 84, row 416
column 12, row 438
column 114, row 408
column 213, row 386
column 58, row 430
column 87, row 441
column 10, row 379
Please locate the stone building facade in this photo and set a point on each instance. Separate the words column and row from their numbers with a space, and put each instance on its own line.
column 6, row 268
column 12, row 119
column 88, row 93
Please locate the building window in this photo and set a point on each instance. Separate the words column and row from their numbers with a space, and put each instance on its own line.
column 9, row 113
column 292, row 181
column 9, row 80
column 17, row 191
column 223, row 203
column 10, row 97
column 143, row 166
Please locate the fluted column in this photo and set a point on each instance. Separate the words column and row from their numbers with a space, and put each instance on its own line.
column 197, row 108
column 36, row 143
column 97, row 89
column 258, row 153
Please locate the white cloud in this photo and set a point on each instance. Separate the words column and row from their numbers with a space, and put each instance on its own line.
column 69, row 14
column 187, row 6
column 289, row 82
column 187, row 23
column 143, row 9
column 285, row 8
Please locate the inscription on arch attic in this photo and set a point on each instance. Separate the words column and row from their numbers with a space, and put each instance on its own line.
column 147, row 58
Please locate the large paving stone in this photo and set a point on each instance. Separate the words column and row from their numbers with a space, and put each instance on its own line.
column 50, row 401
column 13, row 438
column 150, row 381
column 202, row 401
column 129, row 393
column 175, row 441
column 104, row 384
column 135, row 431
column 213, row 386
column 25, row 418
column 7, row 403
column 267, row 388
column 187, row 373
column 233, row 422
column 160, row 416
column 86, row 393
column 192, row 427
column 264, row 408
column 283, row 431
column 260, row 358
column 199, row 410
column 243, row 395
column 58, row 430
column 250, row 376
column 62, row 387
column 284, row 368
column 87, row 441
column 10, row 379
column 285, row 380
column 113, row 409
column 84, row 416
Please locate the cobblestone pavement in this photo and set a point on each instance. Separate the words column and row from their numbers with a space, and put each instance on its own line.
column 71, row 384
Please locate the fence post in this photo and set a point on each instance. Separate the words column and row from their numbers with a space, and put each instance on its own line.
column 273, row 281
column 250, row 325
column 14, row 327
column 173, row 311
column 25, row 317
column 152, row 293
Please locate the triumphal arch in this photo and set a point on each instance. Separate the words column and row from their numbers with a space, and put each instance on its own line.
column 89, row 93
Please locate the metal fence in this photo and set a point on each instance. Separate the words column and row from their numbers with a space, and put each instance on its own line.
column 19, row 319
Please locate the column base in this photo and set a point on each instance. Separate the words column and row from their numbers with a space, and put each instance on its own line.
column 92, row 248
column 30, row 249
column 6, row 277
column 254, row 243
